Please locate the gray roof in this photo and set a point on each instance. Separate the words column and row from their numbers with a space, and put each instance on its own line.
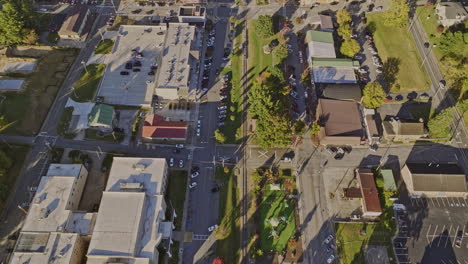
column 407, row 128
column 340, row 118
column 453, row 9
column 447, row 177
column 342, row 91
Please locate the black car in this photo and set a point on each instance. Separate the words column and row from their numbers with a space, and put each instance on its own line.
column 194, row 169
column 136, row 70
column 137, row 64
column 124, row 73
column 149, row 12
column 128, row 66
column 339, row 156
column 399, row 97
column 136, row 11
column 151, row 73
column 154, row 67
column 215, row 189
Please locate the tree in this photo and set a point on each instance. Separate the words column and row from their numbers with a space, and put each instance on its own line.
column 374, row 95
column 219, row 136
column 218, row 260
column 454, row 44
column 397, row 14
column 264, row 26
column 299, row 127
column 440, row 29
column 343, row 17
column 350, row 47
column 5, row 161
column 439, row 126
column 30, row 36
column 315, row 128
column 11, row 25
column 280, row 53
column 344, row 31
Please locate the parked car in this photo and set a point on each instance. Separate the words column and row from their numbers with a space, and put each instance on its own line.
column 195, row 174
column 328, row 239
column 181, row 163
column 171, row 162
column 194, row 169
column 198, row 132
column 192, row 185
column 458, row 240
column 211, row 228
column 124, row 73
column 331, row 258
column 128, row 65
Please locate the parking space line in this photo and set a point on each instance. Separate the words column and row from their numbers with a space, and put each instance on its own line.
column 412, row 202
column 440, row 238
column 432, row 202
column 427, row 234
column 455, row 237
column 450, row 230
column 432, row 238
column 437, row 200
column 443, row 202
column 452, row 203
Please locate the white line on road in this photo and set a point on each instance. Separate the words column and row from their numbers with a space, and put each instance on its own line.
column 440, row 237
column 450, row 230
column 432, row 238
column 427, row 234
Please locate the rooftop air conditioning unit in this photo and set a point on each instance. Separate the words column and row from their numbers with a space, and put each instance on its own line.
column 131, row 185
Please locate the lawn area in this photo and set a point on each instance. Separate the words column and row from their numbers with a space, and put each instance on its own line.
column 121, row 20
column 258, row 61
column 429, row 22
column 228, row 231
column 397, row 49
column 104, row 47
column 85, row 88
column 351, row 241
column 64, row 122
column 275, row 206
column 94, row 135
column 175, row 193
column 17, row 154
column 28, row 109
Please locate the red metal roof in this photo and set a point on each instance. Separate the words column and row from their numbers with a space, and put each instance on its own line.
column 369, row 191
column 156, row 127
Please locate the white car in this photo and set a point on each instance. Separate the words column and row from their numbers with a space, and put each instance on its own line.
column 222, row 107
column 199, row 123
column 192, row 185
column 198, row 132
column 222, row 97
column 171, row 162
column 328, row 239
column 378, row 70
column 222, row 111
column 331, row 258
column 226, row 77
column 181, row 163
column 180, row 146
column 211, row 228
column 195, row 174
column 221, row 124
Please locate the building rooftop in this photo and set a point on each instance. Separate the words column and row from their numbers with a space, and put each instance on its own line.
column 433, row 168
column 156, row 127
column 101, row 114
column 191, row 11
column 389, row 180
column 334, row 62
column 48, row 211
column 8, row 84
column 175, row 68
column 319, row 36
column 74, row 20
column 137, row 88
column 342, row 91
column 340, row 118
column 320, row 44
column 404, row 127
column 452, row 10
column 44, row 248
column 447, row 177
column 369, row 191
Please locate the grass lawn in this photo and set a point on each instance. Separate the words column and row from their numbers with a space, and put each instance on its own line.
column 64, row 122
column 93, row 135
column 104, row 47
column 429, row 22
column 351, row 241
column 175, row 193
column 17, row 154
column 228, row 231
column 28, row 109
column 121, row 20
column 397, row 45
column 85, row 88
column 258, row 61
column 275, row 205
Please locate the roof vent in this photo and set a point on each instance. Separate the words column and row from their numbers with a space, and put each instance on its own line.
column 139, row 167
column 131, row 185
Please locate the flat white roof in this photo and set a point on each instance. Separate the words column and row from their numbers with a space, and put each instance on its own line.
column 132, row 89
column 334, row 75
column 47, row 212
column 175, row 68
column 53, row 248
column 321, row 50
column 81, row 223
column 148, row 171
column 117, row 224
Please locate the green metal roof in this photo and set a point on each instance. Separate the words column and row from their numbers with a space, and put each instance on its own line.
column 101, row 114
column 319, row 36
column 334, row 62
column 389, row 181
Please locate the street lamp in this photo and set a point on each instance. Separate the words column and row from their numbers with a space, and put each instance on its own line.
column 84, row 66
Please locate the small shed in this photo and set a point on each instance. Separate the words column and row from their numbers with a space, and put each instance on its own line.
column 389, row 180
column 275, row 187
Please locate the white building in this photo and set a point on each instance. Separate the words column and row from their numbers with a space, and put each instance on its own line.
column 192, row 14
column 52, row 232
column 451, row 13
column 180, row 56
column 131, row 221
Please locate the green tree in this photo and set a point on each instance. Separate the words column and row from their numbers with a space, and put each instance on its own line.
column 454, row 44
column 315, row 128
column 397, row 14
column 299, row 127
column 264, row 26
column 280, row 53
column 30, row 36
column 374, row 95
column 439, row 126
column 344, row 31
column 11, row 25
column 343, row 17
column 219, row 136
column 5, row 161
column 350, row 47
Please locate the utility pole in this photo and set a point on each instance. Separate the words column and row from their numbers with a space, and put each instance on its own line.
column 84, row 66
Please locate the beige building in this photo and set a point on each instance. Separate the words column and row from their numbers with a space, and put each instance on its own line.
column 434, row 180
column 131, row 221
column 451, row 13
column 404, row 131
column 174, row 73
column 52, row 231
column 74, row 25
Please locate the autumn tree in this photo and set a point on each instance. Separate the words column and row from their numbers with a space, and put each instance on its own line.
column 397, row 14
column 343, row 17
column 350, row 47
column 374, row 95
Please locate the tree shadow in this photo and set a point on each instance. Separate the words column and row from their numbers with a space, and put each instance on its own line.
column 390, row 69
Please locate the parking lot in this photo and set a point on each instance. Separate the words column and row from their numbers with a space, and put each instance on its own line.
column 427, row 232
column 135, row 88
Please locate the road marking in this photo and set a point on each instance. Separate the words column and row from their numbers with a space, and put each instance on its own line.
column 432, row 238
column 455, row 239
column 437, row 200
column 440, row 237
column 427, row 234
column 433, row 204
column 442, row 199
column 450, row 230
